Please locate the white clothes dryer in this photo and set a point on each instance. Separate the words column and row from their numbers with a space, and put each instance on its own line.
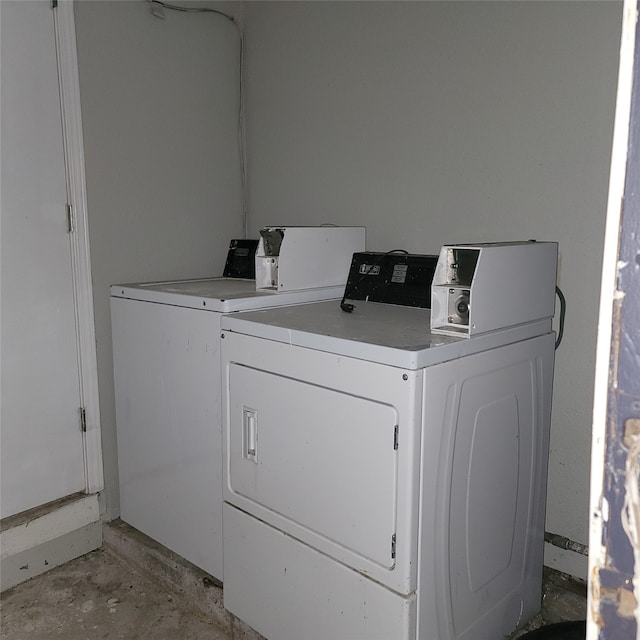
column 380, row 480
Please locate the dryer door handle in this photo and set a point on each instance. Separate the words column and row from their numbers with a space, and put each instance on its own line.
column 250, row 435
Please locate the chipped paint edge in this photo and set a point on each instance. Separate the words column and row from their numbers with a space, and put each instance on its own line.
column 631, row 513
column 608, row 296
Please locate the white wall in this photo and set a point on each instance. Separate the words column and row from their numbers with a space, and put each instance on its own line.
column 159, row 107
column 435, row 122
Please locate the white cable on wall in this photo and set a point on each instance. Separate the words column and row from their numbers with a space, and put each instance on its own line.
column 157, row 9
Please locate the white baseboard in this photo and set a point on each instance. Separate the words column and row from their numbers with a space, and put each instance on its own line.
column 569, row 562
column 32, row 545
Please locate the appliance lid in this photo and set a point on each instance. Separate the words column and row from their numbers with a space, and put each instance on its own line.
column 383, row 333
column 223, row 295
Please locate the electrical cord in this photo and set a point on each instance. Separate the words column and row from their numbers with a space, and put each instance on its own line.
column 175, row 7
column 347, row 307
column 563, row 310
column 241, row 142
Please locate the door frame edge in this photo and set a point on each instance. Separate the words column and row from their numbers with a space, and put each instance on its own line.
column 69, row 82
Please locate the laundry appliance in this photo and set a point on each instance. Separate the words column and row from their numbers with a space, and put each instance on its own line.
column 385, row 464
column 166, row 358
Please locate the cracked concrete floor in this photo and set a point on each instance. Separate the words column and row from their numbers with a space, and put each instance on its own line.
column 98, row 596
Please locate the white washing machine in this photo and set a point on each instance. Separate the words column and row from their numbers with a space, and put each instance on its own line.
column 166, row 357
column 382, row 480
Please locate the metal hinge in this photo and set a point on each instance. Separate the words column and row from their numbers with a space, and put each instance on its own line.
column 393, row 546
column 69, row 218
column 83, row 419
column 395, row 437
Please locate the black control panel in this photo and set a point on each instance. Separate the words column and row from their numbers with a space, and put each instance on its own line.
column 241, row 259
column 391, row 278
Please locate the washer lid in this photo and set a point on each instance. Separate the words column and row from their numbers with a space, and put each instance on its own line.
column 223, row 295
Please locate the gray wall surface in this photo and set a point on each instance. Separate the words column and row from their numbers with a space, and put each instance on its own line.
column 427, row 122
column 437, row 122
column 160, row 120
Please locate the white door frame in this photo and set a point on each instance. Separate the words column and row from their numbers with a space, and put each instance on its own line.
column 69, row 83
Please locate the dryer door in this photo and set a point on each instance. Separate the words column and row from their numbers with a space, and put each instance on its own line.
column 323, row 459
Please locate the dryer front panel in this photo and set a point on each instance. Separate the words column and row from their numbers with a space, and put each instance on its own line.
column 324, row 459
column 326, row 449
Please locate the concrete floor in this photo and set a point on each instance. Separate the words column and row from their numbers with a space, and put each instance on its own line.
column 99, row 596
column 133, row 588
column 563, row 599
